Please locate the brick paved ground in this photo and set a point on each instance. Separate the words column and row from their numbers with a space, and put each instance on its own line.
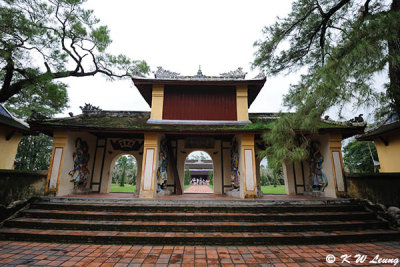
column 199, row 189
column 53, row 254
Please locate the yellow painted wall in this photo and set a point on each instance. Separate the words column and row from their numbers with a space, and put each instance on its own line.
column 151, row 141
column 8, row 148
column 335, row 145
column 242, row 103
column 389, row 156
column 327, row 144
column 59, row 141
column 246, row 142
column 157, row 102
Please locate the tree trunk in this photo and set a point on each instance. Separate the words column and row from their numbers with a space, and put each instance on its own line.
column 394, row 65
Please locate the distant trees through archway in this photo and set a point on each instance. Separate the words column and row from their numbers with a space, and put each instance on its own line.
column 199, row 173
column 272, row 181
column 124, row 175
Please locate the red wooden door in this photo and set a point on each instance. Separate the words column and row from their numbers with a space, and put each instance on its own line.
column 199, row 103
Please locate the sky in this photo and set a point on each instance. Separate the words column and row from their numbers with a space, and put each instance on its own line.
column 181, row 36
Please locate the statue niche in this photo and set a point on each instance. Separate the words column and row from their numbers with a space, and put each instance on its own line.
column 235, row 167
column 162, row 168
column 81, row 157
column 317, row 176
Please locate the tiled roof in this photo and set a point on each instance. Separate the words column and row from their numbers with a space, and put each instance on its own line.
column 6, row 118
column 388, row 126
column 136, row 121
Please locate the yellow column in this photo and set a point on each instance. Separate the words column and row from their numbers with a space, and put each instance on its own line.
column 57, row 158
column 335, row 149
column 157, row 102
column 9, row 141
column 149, row 166
column 242, row 103
column 388, row 153
column 247, row 168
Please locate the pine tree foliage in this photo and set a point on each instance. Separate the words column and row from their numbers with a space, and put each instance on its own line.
column 45, row 40
column 359, row 156
column 341, row 44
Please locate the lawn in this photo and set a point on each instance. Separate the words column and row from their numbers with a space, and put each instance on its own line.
column 270, row 189
column 116, row 188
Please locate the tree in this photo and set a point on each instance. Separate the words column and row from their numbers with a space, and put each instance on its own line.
column 123, row 176
column 42, row 41
column 359, row 156
column 134, row 175
column 187, row 175
column 199, row 155
column 34, row 151
column 125, row 170
column 341, row 44
column 211, row 177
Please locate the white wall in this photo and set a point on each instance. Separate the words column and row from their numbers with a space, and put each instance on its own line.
column 66, row 186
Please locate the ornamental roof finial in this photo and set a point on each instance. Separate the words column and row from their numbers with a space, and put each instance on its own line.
column 199, row 72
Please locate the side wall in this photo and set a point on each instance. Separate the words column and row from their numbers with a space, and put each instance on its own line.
column 65, row 185
column 383, row 188
column 332, row 167
column 17, row 187
column 389, row 156
column 8, row 147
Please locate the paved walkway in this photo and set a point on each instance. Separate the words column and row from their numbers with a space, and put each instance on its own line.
column 199, row 189
column 55, row 254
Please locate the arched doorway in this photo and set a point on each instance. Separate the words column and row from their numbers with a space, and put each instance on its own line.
column 124, row 174
column 199, row 173
column 272, row 181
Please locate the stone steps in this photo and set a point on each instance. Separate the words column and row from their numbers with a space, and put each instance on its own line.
column 183, row 226
column 257, row 208
column 198, row 216
column 197, row 222
column 191, row 238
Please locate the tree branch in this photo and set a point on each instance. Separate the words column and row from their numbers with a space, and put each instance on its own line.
column 9, row 71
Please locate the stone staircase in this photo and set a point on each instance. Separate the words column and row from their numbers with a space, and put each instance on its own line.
column 196, row 222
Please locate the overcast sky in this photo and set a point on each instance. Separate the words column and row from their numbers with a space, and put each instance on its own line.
column 180, row 36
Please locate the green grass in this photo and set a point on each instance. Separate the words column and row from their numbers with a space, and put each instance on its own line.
column 116, row 188
column 270, row 189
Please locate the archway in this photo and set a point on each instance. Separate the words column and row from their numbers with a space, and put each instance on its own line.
column 123, row 174
column 199, row 173
column 272, row 181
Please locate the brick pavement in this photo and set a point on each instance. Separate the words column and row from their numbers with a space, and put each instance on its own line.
column 199, row 189
column 55, row 254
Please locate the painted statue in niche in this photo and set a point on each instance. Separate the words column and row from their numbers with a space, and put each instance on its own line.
column 235, row 166
column 317, row 176
column 80, row 173
column 162, row 167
